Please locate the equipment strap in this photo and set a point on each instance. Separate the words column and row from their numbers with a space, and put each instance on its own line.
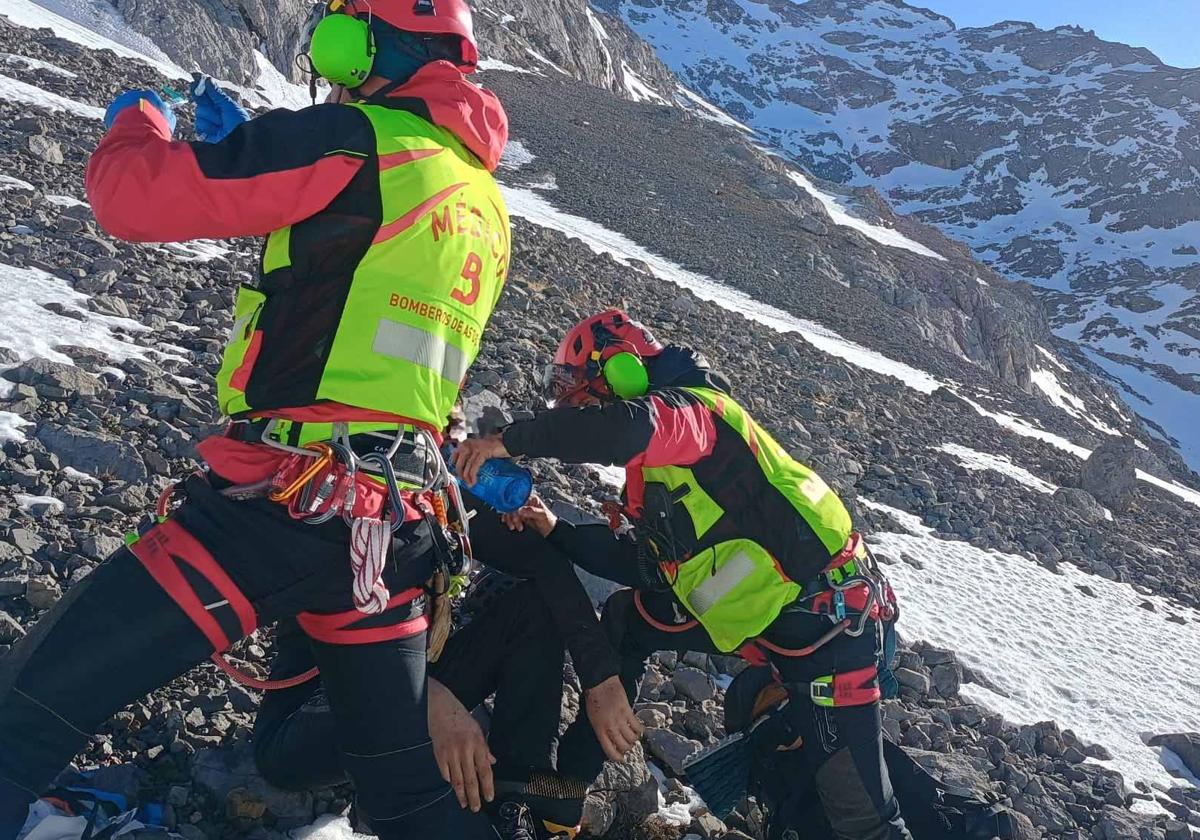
column 165, row 551
column 339, row 629
column 659, row 625
column 849, row 688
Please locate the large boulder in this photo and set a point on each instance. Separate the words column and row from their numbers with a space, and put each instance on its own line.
column 94, row 453
column 55, row 380
column 1110, row 474
column 627, row 788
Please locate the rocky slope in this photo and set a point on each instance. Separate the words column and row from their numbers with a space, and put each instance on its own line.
column 1057, row 157
column 105, row 423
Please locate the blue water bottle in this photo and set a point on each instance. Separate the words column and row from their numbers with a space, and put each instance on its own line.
column 502, row 484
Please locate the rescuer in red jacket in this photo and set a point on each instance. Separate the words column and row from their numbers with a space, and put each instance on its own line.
column 388, row 246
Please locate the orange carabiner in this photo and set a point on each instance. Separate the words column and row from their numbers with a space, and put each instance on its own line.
column 439, row 509
column 320, row 462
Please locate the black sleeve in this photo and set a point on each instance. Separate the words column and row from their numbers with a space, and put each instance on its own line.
column 525, row 554
column 597, row 550
column 606, row 434
column 283, row 140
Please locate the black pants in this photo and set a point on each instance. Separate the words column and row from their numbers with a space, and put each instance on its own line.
column 511, row 648
column 117, row 635
column 843, row 747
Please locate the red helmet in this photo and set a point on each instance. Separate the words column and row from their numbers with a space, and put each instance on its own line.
column 578, row 363
column 432, row 17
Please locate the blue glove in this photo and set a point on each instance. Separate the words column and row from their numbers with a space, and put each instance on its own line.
column 130, row 99
column 217, row 113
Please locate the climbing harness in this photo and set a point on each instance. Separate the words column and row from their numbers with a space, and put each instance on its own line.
column 851, row 591
column 316, row 483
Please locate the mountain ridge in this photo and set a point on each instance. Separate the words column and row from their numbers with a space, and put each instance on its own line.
column 1059, row 158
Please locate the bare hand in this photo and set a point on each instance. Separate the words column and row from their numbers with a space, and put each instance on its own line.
column 470, row 455
column 460, row 749
column 536, row 514
column 615, row 725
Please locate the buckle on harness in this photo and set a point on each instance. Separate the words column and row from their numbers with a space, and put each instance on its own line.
column 820, row 691
column 849, row 688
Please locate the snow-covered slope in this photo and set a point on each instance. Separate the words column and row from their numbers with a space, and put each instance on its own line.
column 1059, row 158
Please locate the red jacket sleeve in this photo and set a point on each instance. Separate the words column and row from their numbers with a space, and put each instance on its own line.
column 272, row 171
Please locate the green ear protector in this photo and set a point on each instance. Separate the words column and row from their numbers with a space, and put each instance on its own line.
column 626, row 376
column 343, row 48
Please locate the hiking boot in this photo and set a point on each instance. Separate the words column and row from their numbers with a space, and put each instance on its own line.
column 556, row 801
column 515, row 821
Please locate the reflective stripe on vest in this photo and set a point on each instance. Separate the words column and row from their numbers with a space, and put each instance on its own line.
column 736, row 569
column 401, row 341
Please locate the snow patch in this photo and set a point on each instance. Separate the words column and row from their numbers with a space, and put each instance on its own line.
column 595, row 23
column 274, row 90
column 516, row 155
column 196, row 250
column 839, row 215
column 1026, row 429
column 545, row 60
column 497, row 64
column 1081, row 682
column 328, row 827
column 638, row 88
column 1185, row 493
column 700, row 106
column 24, row 62
column 10, row 427
column 1052, row 359
column 66, row 201
column 1046, row 382
column 8, row 182
column 531, row 206
column 27, row 94
column 676, row 813
column 974, row 460
column 80, row 476
column 27, row 502
column 612, row 476
column 31, row 330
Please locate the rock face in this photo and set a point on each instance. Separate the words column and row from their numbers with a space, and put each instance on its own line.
column 219, row 37
column 1059, row 157
column 1110, row 474
column 554, row 36
column 571, row 37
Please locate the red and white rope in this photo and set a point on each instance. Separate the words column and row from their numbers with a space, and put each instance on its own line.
column 369, row 539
